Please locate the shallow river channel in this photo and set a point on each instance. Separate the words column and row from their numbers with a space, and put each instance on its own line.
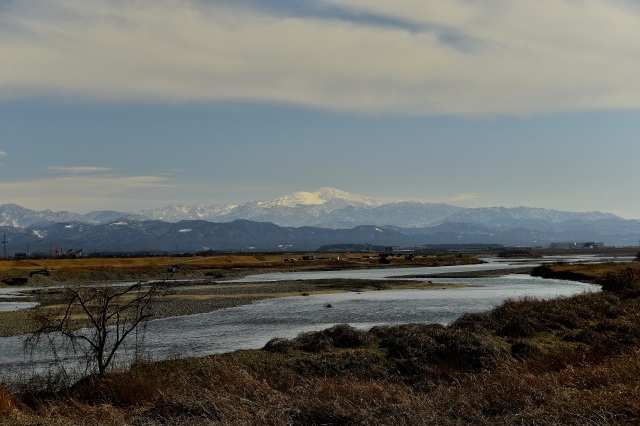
column 252, row 326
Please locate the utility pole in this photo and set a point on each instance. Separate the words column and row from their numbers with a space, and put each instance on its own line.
column 4, row 243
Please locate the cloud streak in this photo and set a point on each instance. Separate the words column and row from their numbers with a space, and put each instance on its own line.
column 463, row 197
column 80, row 192
column 80, row 169
column 489, row 57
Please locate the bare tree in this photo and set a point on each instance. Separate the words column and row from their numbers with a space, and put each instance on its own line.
column 95, row 321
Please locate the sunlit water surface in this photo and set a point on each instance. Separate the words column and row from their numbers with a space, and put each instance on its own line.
column 251, row 326
column 254, row 325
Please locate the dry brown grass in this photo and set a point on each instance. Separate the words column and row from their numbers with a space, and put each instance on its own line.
column 248, row 389
column 7, row 405
column 571, row 361
column 594, row 272
column 158, row 265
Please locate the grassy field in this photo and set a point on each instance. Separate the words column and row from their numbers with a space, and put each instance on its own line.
column 158, row 267
column 570, row 361
column 202, row 289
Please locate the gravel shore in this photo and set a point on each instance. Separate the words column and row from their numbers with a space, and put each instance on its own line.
column 474, row 274
column 198, row 296
column 197, row 291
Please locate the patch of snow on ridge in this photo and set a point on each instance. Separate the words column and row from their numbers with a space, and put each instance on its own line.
column 184, row 231
column 177, row 213
column 40, row 233
column 298, row 198
column 319, row 197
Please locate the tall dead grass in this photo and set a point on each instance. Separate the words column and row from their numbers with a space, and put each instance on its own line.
column 7, row 405
column 570, row 361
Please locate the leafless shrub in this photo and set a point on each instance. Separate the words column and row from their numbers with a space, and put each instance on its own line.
column 94, row 322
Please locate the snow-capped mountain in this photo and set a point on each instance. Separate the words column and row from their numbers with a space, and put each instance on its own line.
column 307, row 220
column 326, row 207
column 320, row 197
column 178, row 213
column 17, row 216
column 295, row 209
column 333, row 208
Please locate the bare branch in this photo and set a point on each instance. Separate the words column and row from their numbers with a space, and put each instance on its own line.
column 97, row 321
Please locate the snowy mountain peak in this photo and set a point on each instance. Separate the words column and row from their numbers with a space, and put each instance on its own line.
column 175, row 213
column 321, row 196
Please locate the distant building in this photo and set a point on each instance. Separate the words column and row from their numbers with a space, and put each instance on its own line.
column 575, row 245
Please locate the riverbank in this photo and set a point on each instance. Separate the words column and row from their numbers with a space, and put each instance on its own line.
column 194, row 297
column 198, row 285
column 570, row 361
column 38, row 272
column 472, row 274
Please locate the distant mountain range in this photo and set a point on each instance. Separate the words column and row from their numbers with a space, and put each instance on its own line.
column 306, row 221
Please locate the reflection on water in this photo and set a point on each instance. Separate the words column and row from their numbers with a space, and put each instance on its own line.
column 14, row 293
column 16, row 306
column 251, row 326
column 376, row 273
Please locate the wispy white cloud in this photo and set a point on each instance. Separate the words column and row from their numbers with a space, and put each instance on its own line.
column 463, row 197
column 80, row 169
column 80, row 192
column 525, row 57
column 2, row 153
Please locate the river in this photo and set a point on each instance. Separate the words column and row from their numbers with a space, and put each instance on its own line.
column 251, row 326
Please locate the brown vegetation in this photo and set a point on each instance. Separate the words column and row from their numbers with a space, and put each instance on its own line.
column 204, row 292
column 63, row 270
column 94, row 322
column 592, row 272
column 565, row 361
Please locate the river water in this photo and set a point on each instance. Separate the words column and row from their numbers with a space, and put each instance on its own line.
column 251, row 326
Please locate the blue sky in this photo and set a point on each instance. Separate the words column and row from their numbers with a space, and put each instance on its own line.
column 113, row 104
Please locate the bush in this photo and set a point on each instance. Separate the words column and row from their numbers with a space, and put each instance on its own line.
column 346, row 336
column 278, row 344
column 432, row 347
column 546, row 271
column 313, row 341
column 341, row 336
column 619, row 281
